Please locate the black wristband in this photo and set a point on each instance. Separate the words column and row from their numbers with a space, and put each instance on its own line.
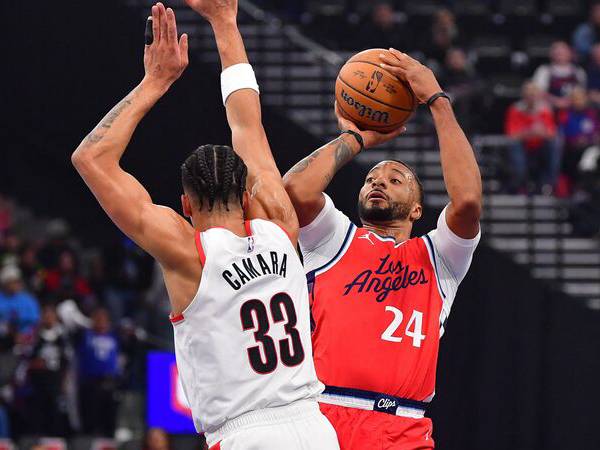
column 358, row 137
column 434, row 97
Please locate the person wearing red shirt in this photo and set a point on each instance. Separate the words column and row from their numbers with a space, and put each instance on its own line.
column 64, row 281
column 380, row 300
column 531, row 126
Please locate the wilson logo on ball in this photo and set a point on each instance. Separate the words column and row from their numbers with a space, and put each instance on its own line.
column 365, row 111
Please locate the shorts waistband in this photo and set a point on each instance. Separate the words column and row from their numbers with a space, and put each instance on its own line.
column 267, row 416
column 373, row 401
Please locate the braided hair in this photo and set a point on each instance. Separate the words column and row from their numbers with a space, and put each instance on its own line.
column 215, row 173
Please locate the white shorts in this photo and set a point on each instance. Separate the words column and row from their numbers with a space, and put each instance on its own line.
column 298, row 426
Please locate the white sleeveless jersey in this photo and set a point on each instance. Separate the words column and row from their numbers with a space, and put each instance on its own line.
column 244, row 342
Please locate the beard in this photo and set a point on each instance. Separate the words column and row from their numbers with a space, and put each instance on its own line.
column 374, row 214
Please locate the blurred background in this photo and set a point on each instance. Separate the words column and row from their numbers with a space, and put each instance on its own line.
column 85, row 341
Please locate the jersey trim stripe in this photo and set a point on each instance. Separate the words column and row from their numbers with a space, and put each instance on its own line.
column 387, row 239
column 200, row 249
column 248, row 227
column 176, row 319
column 431, row 251
column 370, row 395
column 310, row 276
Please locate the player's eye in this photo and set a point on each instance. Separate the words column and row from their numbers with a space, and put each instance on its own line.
column 395, row 181
column 369, row 180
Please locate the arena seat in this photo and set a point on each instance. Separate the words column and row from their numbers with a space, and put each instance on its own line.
column 472, row 16
column 518, row 17
column 492, row 51
column 419, row 13
column 564, row 15
column 537, row 48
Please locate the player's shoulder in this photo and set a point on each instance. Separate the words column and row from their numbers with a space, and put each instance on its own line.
column 263, row 226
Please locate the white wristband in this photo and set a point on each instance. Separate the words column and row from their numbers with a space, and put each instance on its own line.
column 234, row 78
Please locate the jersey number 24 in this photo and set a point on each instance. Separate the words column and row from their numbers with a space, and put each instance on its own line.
column 255, row 317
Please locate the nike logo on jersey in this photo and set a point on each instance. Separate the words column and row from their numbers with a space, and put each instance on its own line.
column 261, row 264
column 388, row 277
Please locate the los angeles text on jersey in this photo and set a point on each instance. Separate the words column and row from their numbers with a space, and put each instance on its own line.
column 389, row 276
column 259, row 265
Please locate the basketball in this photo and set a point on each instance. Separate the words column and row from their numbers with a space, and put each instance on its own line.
column 372, row 97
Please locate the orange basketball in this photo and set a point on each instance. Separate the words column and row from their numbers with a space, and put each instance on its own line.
column 372, row 97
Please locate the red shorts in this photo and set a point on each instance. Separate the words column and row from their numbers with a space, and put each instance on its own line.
column 360, row 429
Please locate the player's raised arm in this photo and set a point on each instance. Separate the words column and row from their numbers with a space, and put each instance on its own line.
column 459, row 166
column 308, row 179
column 268, row 197
column 97, row 159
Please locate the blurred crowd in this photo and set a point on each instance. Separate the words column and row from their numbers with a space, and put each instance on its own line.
column 553, row 129
column 74, row 328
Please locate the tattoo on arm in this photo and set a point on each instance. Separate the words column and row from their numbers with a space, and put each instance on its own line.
column 342, row 153
column 303, row 165
column 97, row 133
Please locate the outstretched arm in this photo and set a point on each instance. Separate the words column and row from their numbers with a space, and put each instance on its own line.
column 97, row 159
column 268, row 197
column 459, row 166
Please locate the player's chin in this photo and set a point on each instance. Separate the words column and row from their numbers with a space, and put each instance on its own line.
column 377, row 203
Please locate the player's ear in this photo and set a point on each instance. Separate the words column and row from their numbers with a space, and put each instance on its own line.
column 416, row 212
column 186, row 206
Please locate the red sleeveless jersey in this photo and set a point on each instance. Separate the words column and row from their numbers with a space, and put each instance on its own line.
column 376, row 309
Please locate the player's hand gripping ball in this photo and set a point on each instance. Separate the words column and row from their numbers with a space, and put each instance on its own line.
column 420, row 78
column 372, row 96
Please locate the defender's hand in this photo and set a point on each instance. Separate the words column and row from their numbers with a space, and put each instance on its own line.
column 421, row 79
column 215, row 10
column 165, row 58
column 370, row 138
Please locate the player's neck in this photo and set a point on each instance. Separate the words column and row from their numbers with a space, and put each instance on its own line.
column 399, row 230
column 231, row 220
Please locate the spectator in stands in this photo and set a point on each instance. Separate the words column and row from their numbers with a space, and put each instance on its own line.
column 64, row 281
column 593, row 75
column 9, row 248
column 535, row 150
column 48, row 363
column 588, row 33
column 19, row 310
column 580, row 129
column 57, row 232
column 97, row 354
column 560, row 76
column 6, row 213
column 381, row 29
column 19, row 315
column 461, row 82
column 31, row 268
column 156, row 439
column 443, row 35
column 128, row 271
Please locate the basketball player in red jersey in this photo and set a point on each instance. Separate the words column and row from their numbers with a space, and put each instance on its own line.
column 241, row 357
column 380, row 300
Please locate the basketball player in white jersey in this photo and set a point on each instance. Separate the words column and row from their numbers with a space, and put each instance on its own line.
column 236, row 284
